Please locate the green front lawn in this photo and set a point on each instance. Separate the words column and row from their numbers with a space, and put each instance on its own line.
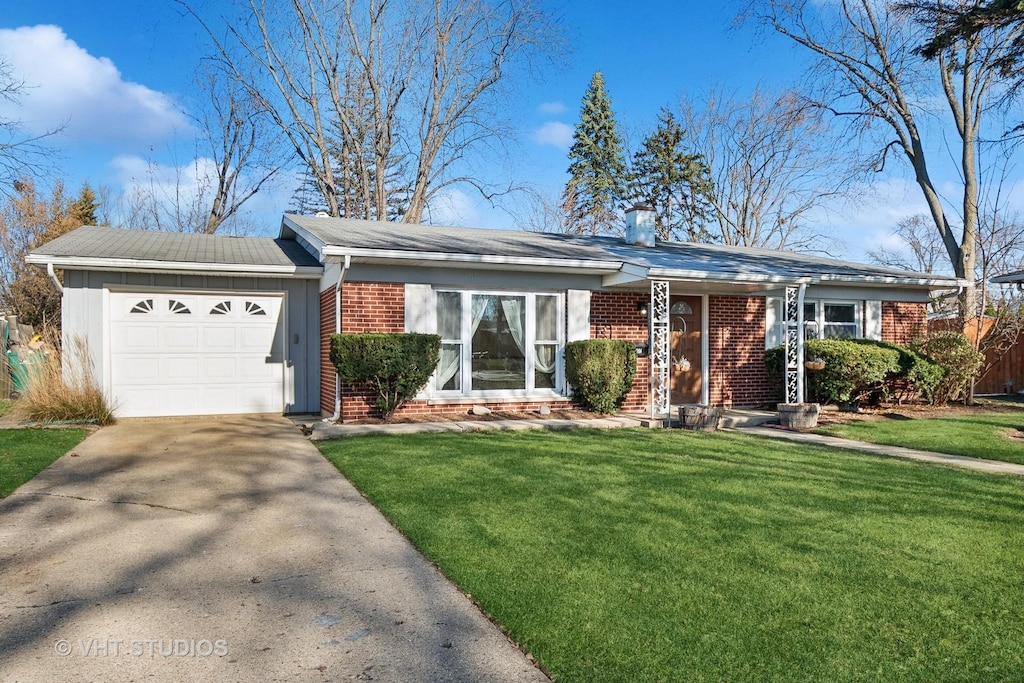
column 982, row 435
column 636, row 555
column 26, row 452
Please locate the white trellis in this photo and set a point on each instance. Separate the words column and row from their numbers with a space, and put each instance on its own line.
column 660, row 350
column 794, row 321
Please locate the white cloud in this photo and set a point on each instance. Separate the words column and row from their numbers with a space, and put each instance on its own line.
column 554, row 133
column 453, row 207
column 67, row 85
column 551, row 108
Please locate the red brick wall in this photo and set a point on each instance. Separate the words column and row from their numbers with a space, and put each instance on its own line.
column 328, row 378
column 614, row 315
column 903, row 322
column 736, row 351
column 368, row 307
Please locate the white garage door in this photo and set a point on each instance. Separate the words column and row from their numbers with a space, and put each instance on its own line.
column 196, row 354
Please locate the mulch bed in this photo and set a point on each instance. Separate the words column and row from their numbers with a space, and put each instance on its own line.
column 468, row 416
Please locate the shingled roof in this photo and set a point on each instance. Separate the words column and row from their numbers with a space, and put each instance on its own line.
column 91, row 245
column 667, row 259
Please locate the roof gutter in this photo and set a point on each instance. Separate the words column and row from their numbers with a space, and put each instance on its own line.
column 337, row 330
column 697, row 275
column 138, row 265
column 474, row 259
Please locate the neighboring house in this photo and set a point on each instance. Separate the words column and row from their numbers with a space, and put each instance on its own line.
column 184, row 324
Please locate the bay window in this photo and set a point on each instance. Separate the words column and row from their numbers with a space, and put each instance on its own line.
column 500, row 343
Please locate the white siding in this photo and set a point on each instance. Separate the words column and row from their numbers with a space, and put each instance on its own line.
column 773, row 320
column 577, row 305
column 873, row 319
column 420, row 311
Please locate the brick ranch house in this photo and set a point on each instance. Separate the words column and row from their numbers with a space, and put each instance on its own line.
column 201, row 324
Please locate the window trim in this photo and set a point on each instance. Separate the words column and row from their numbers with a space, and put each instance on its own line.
column 530, row 330
column 819, row 317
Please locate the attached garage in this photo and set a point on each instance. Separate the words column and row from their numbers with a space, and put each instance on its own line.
column 196, row 353
column 179, row 324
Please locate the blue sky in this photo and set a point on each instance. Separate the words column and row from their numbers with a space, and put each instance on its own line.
column 120, row 77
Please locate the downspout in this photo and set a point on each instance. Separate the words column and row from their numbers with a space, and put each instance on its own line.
column 337, row 330
column 53, row 276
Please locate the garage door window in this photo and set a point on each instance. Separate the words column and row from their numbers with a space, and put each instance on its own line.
column 144, row 306
column 223, row 308
column 178, row 307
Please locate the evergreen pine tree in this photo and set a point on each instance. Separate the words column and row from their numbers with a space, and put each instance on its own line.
column 83, row 210
column 675, row 183
column 597, row 167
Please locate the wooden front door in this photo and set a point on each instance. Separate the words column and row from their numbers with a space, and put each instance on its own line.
column 685, row 318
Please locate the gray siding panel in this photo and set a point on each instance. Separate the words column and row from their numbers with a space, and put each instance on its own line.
column 83, row 315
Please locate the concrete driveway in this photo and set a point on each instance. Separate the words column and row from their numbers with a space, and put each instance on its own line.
column 223, row 550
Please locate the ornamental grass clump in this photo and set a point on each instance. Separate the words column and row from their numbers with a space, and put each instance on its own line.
column 61, row 393
column 600, row 372
column 392, row 367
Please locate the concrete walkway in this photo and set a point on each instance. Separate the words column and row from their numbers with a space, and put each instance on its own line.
column 223, row 550
column 890, row 451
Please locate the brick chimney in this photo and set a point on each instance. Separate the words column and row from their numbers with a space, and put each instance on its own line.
column 640, row 225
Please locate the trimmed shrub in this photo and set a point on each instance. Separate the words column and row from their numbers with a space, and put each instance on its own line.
column 861, row 369
column 600, row 372
column 954, row 352
column 918, row 375
column 852, row 371
column 393, row 367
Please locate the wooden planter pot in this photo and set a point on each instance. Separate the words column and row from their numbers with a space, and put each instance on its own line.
column 798, row 415
column 700, row 418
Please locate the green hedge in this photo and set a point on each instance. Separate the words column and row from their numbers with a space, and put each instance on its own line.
column 600, row 372
column 858, row 370
column 393, row 367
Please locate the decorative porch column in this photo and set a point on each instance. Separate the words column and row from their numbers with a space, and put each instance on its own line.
column 794, row 313
column 660, row 350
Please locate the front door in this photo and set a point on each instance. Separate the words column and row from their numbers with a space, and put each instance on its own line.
column 685, row 318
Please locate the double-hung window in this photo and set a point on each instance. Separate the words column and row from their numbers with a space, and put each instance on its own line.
column 832, row 319
column 498, row 343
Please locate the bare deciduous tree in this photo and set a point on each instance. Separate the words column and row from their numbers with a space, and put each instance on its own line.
column 234, row 131
column 870, row 75
column 359, row 86
column 21, row 154
column 922, row 252
column 771, row 166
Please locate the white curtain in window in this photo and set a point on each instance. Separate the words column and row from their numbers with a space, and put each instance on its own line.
column 513, row 307
column 545, row 359
column 451, row 354
column 451, row 359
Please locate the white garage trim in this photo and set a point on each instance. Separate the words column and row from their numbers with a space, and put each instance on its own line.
column 195, row 352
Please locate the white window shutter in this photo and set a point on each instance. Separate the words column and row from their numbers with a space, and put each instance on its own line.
column 773, row 320
column 873, row 319
column 577, row 305
column 420, row 309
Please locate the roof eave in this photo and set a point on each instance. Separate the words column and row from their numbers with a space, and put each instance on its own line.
column 472, row 260
column 767, row 278
column 176, row 267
